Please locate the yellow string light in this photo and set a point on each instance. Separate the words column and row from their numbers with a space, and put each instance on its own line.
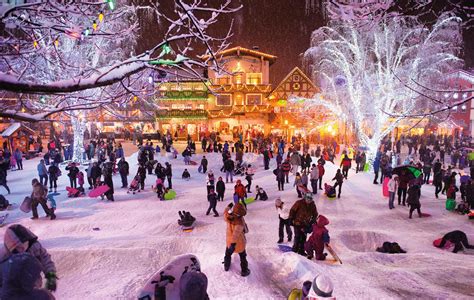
column 56, row 42
column 35, row 44
column 101, row 17
column 94, row 25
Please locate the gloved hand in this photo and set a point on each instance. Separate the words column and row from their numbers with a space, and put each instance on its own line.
column 51, row 281
column 232, row 248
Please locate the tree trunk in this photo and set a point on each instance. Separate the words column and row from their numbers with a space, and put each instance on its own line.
column 78, row 126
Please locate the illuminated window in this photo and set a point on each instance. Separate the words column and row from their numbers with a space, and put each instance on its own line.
column 254, row 99
column 254, row 78
column 238, row 78
column 224, row 99
column 223, row 80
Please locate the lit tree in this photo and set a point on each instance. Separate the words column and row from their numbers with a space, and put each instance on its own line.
column 362, row 72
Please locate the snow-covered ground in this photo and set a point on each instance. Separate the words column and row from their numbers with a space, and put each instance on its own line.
column 139, row 234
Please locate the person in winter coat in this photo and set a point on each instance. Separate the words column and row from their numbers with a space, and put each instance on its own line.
column 96, row 173
column 142, row 173
column 261, row 194
column 470, row 194
column 240, row 191
column 321, row 172
column 298, row 183
column 204, row 163
column 21, row 273
column 279, row 159
column 168, row 173
column 229, row 166
column 73, row 170
column 286, row 167
column 220, row 189
column 304, row 179
column 80, row 181
column 212, row 199
column 186, row 175
column 18, row 155
column 19, row 239
column 53, row 172
column 314, row 176
column 402, row 187
column 413, row 199
column 295, row 161
column 235, row 236
column 266, row 159
column 339, row 178
column 4, row 164
column 458, row 238
column 284, row 220
column 42, row 173
column 302, row 215
column 392, row 188
column 123, row 169
column 426, row 172
column 376, row 166
column 438, row 181
column 280, row 177
column 318, row 239
column 346, row 165
column 108, row 172
column 38, row 196
column 248, row 177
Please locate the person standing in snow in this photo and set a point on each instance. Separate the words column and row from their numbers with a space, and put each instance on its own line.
column 413, row 199
column 302, row 214
column 123, row 169
column 19, row 239
column 38, row 196
column 376, row 166
column 295, row 161
column 297, row 183
column 321, row 170
column 168, row 173
column 73, row 170
column 42, row 173
column 220, row 188
column 108, row 172
column 402, row 187
column 284, row 220
column 212, row 199
column 286, row 167
column 240, row 191
column 204, row 163
column 18, row 155
column 229, row 167
column 314, row 176
column 339, row 178
column 392, row 188
column 248, row 177
column 280, row 177
column 235, row 236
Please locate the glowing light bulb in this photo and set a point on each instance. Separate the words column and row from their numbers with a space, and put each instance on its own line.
column 35, row 44
column 94, row 25
column 56, row 42
column 150, row 79
column 101, row 17
column 86, row 33
column 455, row 95
column 446, row 95
column 463, row 107
column 464, row 95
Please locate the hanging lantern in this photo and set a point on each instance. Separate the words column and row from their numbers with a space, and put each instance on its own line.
column 56, row 42
column 86, row 32
column 35, row 44
column 101, row 17
column 111, row 4
column 94, row 25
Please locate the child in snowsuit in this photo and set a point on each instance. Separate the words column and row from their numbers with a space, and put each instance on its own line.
column 283, row 216
column 318, row 239
column 261, row 194
column 19, row 239
column 186, row 174
column 248, row 177
column 159, row 188
column 458, row 238
column 212, row 198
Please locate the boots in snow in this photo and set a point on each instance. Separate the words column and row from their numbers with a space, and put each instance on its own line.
column 244, row 265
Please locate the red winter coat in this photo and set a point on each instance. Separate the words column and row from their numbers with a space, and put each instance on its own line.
column 321, row 170
column 316, row 241
column 240, row 190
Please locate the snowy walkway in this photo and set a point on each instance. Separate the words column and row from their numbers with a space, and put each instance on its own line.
column 138, row 234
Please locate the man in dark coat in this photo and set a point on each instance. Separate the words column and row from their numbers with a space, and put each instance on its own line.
column 402, row 187
column 302, row 214
column 108, row 172
column 96, row 173
column 220, row 188
column 204, row 163
column 168, row 173
column 212, row 198
column 458, row 238
column 229, row 170
column 123, row 169
column 413, row 199
column 266, row 159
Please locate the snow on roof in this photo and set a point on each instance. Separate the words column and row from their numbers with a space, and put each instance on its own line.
column 13, row 128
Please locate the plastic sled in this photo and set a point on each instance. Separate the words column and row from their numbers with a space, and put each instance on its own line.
column 169, row 277
column 26, row 205
column 285, row 248
column 295, row 294
column 437, row 242
column 385, row 187
column 249, row 200
column 193, row 163
column 187, row 228
column 333, row 253
column 425, row 215
column 170, row 195
column 99, row 191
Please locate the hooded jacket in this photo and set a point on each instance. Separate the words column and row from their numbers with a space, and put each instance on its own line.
column 14, row 237
column 317, row 240
column 21, row 274
column 235, row 227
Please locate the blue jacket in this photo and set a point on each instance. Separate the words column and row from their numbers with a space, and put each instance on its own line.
column 42, row 169
column 376, row 163
column 120, row 152
column 18, row 155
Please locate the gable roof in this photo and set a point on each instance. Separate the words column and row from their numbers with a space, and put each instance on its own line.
column 298, row 71
column 238, row 51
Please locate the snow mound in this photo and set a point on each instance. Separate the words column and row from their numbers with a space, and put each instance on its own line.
column 363, row 241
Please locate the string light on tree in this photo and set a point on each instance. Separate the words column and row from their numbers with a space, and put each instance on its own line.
column 111, row 4
column 101, row 16
column 94, row 25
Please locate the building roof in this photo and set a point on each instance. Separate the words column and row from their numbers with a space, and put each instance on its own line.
column 14, row 127
column 238, row 51
column 462, row 74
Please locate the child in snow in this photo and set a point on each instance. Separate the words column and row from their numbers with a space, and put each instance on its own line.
column 186, row 174
column 318, row 239
column 392, row 188
column 261, row 194
column 212, row 199
column 19, row 239
column 159, row 188
column 320, row 288
column 413, row 199
column 185, row 218
column 283, row 215
column 298, row 182
column 248, row 177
